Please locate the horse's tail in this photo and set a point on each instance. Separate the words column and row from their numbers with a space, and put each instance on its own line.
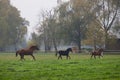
column 90, row 52
column 17, row 52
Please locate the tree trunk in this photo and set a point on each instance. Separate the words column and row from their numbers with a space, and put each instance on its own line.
column 54, row 43
column 106, row 39
column 15, row 43
column 79, row 47
column 94, row 43
column 79, row 41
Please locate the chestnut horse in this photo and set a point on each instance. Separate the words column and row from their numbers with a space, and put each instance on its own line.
column 98, row 52
column 64, row 53
column 29, row 51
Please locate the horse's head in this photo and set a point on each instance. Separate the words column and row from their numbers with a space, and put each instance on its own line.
column 34, row 47
column 69, row 49
column 100, row 50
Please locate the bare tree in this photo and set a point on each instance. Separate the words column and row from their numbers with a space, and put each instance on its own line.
column 107, row 16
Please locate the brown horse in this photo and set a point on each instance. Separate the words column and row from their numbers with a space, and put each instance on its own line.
column 98, row 52
column 28, row 51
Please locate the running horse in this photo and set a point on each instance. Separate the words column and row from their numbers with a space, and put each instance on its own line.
column 64, row 53
column 98, row 52
column 28, row 51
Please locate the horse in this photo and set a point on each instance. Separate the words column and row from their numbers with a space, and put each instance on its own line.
column 64, row 53
column 98, row 52
column 28, row 51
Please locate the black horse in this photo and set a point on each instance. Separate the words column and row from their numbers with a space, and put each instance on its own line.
column 64, row 53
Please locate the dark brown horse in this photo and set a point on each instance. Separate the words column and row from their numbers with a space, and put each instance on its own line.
column 28, row 51
column 98, row 52
column 64, row 53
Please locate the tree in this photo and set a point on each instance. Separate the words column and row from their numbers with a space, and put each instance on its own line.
column 107, row 15
column 116, row 27
column 11, row 24
column 94, row 35
column 77, row 16
column 52, row 24
column 71, row 20
column 49, row 29
column 43, row 30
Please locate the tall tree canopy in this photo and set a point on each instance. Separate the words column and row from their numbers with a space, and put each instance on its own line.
column 12, row 25
column 107, row 14
column 78, row 20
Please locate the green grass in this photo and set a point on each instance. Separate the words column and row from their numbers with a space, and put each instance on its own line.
column 47, row 67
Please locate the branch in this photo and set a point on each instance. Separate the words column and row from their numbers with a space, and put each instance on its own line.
column 113, row 17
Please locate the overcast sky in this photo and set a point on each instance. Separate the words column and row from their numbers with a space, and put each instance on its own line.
column 30, row 9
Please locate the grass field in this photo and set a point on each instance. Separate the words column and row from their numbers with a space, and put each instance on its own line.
column 47, row 67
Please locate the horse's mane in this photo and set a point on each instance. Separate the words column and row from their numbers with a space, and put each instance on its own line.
column 32, row 46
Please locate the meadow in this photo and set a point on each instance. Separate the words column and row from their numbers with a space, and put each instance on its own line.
column 48, row 67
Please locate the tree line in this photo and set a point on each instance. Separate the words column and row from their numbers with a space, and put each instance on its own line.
column 76, row 22
column 79, row 22
column 12, row 25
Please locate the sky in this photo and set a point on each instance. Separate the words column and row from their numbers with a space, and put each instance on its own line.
column 30, row 9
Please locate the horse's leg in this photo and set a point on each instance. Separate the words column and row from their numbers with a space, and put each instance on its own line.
column 60, row 56
column 22, row 57
column 69, row 57
column 95, row 56
column 102, row 54
column 66, row 56
column 91, row 56
column 99, row 56
column 33, row 56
